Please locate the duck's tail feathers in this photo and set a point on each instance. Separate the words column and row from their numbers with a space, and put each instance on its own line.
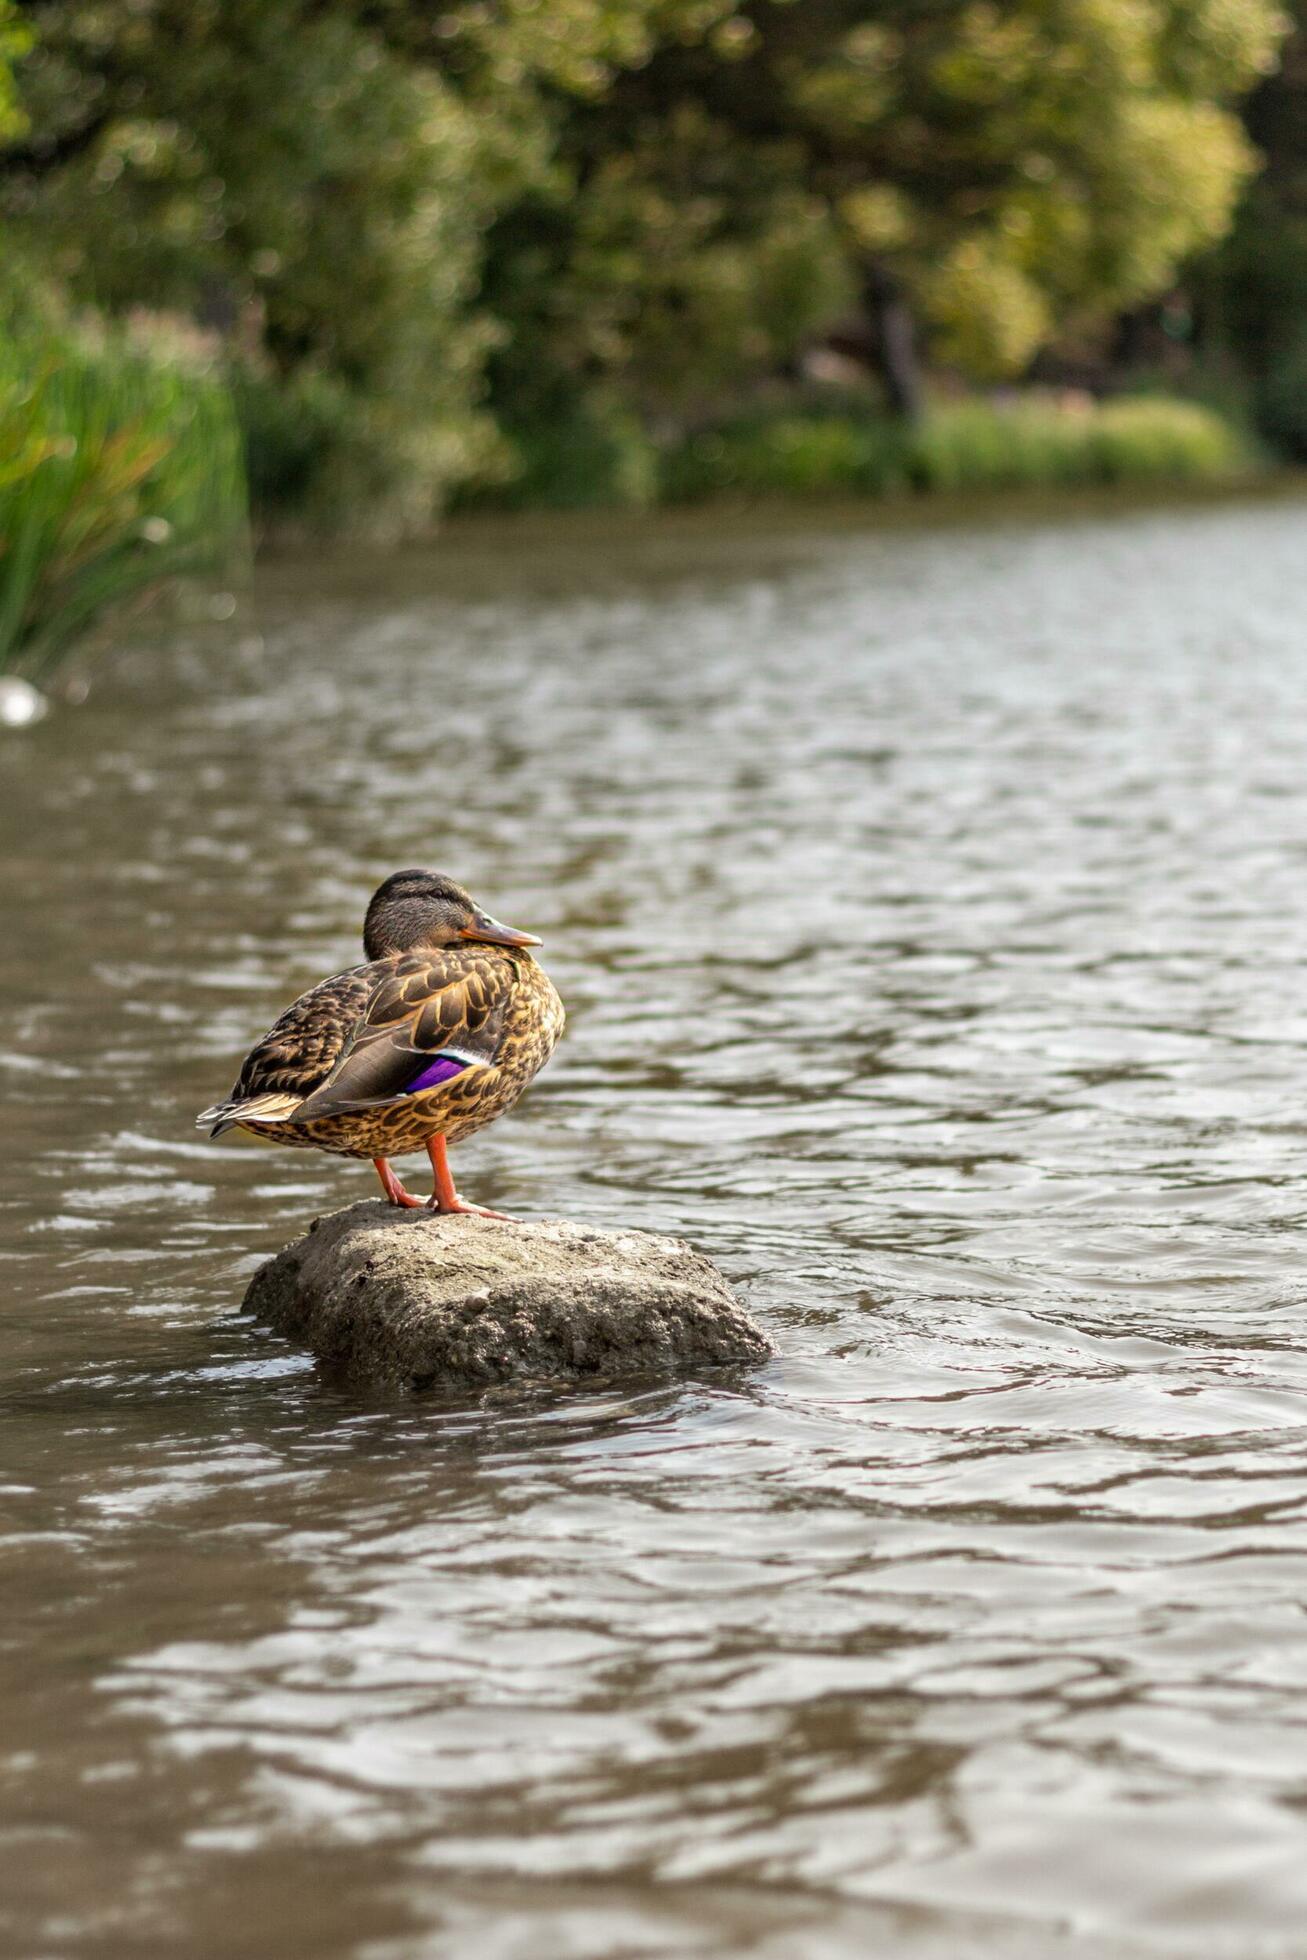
column 273, row 1108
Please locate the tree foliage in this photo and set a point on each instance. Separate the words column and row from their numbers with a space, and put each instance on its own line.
column 14, row 42
column 418, row 227
column 1252, row 293
column 275, row 172
column 1016, row 170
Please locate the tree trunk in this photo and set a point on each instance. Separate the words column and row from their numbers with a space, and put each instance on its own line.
column 894, row 339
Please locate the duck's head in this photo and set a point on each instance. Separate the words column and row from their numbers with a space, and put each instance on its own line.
column 415, row 909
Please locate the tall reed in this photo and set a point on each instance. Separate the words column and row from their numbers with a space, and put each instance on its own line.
column 120, row 473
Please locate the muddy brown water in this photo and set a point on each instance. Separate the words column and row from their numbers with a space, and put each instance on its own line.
column 931, row 907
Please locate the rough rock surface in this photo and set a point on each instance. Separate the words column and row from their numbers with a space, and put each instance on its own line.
column 407, row 1299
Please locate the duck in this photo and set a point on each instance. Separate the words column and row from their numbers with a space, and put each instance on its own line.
column 436, row 1034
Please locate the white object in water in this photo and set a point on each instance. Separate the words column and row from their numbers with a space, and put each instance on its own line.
column 20, row 703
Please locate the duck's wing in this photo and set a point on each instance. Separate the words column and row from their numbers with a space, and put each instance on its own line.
column 437, row 1014
column 298, row 1052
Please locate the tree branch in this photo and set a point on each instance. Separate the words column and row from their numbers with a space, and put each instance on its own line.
column 45, row 153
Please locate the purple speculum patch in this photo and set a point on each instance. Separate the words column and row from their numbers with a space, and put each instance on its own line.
column 441, row 1070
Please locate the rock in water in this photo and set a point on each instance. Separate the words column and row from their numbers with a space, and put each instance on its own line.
column 409, row 1299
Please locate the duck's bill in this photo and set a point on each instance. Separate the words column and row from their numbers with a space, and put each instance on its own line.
column 484, row 927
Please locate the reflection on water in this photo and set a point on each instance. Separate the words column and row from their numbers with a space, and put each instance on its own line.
column 929, row 908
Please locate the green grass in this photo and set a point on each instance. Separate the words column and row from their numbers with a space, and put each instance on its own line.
column 119, row 474
column 1030, row 442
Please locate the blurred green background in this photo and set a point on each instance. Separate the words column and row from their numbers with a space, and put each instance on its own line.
column 402, row 256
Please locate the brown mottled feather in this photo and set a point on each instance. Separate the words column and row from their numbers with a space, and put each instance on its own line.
column 457, row 998
column 349, row 1047
column 304, row 1044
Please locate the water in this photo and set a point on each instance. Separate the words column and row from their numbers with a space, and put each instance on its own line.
column 929, row 907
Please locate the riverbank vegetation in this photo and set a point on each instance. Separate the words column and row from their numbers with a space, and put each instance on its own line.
column 120, row 473
column 639, row 250
column 830, row 445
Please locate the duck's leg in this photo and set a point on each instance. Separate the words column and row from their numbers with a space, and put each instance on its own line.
column 392, row 1187
column 444, row 1197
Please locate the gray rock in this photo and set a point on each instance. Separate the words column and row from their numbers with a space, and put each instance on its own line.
column 408, row 1299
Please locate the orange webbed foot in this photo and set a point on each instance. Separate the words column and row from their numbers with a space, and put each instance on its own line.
column 444, row 1198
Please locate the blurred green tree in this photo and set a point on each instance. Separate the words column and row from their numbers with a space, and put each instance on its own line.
column 310, row 180
column 1251, row 294
column 996, row 174
column 272, row 171
column 14, row 42
column 420, row 225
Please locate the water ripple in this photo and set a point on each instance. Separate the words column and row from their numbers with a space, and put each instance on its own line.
column 927, row 905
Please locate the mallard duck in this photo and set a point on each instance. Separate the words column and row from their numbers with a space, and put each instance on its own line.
column 433, row 1037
